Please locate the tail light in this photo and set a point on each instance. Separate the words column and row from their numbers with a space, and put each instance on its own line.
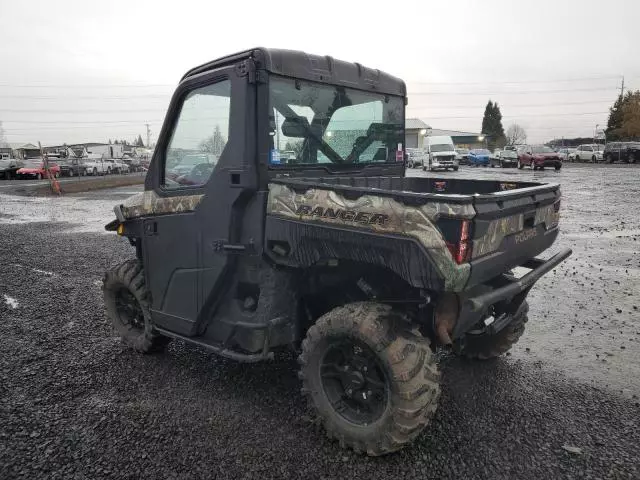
column 461, row 247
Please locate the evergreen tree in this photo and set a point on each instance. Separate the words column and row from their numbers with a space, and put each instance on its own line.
column 615, row 122
column 492, row 127
column 630, row 128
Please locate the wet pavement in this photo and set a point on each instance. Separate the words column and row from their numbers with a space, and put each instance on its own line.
column 74, row 403
column 585, row 315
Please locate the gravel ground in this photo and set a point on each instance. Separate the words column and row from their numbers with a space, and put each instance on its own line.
column 74, row 403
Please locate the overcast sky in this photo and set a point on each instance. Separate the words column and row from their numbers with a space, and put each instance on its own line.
column 80, row 71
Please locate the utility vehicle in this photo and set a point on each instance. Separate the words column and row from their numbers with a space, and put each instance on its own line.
column 331, row 251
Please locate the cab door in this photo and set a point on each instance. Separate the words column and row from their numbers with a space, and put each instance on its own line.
column 194, row 179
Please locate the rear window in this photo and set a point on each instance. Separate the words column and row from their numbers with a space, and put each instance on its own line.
column 542, row 149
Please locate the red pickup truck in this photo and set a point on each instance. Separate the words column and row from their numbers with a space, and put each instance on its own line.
column 538, row 157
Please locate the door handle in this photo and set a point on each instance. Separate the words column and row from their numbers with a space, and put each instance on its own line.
column 151, row 228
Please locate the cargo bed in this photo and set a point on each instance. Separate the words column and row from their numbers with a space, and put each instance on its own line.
column 485, row 227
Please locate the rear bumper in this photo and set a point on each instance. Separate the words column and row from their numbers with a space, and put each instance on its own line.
column 473, row 307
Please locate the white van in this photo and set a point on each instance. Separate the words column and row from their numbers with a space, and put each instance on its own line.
column 441, row 152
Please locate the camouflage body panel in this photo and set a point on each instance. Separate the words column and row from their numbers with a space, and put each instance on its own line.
column 498, row 229
column 548, row 215
column 379, row 214
column 504, row 227
column 149, row 203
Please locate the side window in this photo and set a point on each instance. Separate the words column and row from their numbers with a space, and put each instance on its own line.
column 199, row 136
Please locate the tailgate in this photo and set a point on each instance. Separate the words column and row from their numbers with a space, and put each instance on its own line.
column 511, row 227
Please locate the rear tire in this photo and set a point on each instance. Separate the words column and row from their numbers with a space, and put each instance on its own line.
column 455, row 169
column 126, row 299
column 384, row 406
column 486, row 347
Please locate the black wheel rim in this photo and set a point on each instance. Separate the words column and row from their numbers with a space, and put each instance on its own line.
column 354, row 381
column 129, row 309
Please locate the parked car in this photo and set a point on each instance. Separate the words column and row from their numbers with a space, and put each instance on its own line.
column 116, row 166
column 415, row 157
column 462, row 155
column 9, row 167
column 479, row 156
column 195, row 165
column 132, row 162
column 34, row 168
column 97, row 166
column 622, row 152
column 564, row 153
column 72, row 167
column 587, row 153
column 504, row 158
column 538, row 157
column 441, row 153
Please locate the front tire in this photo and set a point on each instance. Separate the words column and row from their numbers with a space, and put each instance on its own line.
column 126, row 299
column 370, row 376
column 520, row 166
column 485, row 347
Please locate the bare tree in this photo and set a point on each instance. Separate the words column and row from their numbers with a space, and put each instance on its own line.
column 215, row 143
column 516, row 135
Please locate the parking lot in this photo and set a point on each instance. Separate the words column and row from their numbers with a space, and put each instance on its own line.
column 74, row 403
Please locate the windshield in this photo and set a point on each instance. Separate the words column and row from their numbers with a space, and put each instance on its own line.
column 442, row 148
column 542, row 149
column 509, row 154
column 462, row 150
column 481, row 152
column 324, row 124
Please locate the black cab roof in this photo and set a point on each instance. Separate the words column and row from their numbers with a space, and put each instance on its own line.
column 305, row 66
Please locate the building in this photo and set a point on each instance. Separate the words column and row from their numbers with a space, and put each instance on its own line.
column 25, row 150
column 416, row 130
column 462, row 139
